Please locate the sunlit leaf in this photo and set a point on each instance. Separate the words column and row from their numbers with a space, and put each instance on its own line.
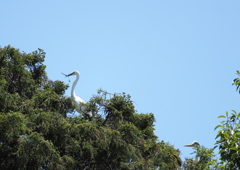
column 218, row 126
column 221, row 116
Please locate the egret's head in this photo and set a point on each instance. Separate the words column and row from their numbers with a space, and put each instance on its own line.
column 74, row 73
column 194, row 144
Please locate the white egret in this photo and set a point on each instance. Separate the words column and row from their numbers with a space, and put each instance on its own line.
column 77, row 100
column 194, row 144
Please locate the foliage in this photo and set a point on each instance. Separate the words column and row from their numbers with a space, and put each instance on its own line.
column 205, row 159
column 228, row 136
column 37, row 134
column 228, row 140
column 236, row 81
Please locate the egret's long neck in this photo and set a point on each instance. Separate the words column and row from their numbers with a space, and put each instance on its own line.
column 197, row 158
column 73, row 86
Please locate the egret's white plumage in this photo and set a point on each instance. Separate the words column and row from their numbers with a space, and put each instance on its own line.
column 77, row 100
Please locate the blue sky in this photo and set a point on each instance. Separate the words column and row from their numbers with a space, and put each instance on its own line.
column 176, row 59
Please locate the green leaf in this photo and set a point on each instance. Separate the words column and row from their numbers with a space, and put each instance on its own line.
column 233, row 149
column 218, row 135
column 218, row 126
column 227, row 114
column 221, row 116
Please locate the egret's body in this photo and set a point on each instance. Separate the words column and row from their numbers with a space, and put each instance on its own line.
column 77, row 100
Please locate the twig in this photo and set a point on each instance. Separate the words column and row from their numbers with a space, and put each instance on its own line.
column 66, row 76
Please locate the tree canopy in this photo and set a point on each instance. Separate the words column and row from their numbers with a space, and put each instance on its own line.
column 39, row 128
column 36, row 132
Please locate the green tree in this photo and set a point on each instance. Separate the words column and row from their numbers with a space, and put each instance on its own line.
column 228, row 136
column 36, row 133
column 228, row 140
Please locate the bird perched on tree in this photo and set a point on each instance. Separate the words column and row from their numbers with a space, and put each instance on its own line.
column 77, row 100
column 194, row 144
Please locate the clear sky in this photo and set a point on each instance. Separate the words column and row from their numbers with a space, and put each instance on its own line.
column 176, row 59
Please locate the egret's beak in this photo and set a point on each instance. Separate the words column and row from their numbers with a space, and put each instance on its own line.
column 188, row 145
column 70, row 74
